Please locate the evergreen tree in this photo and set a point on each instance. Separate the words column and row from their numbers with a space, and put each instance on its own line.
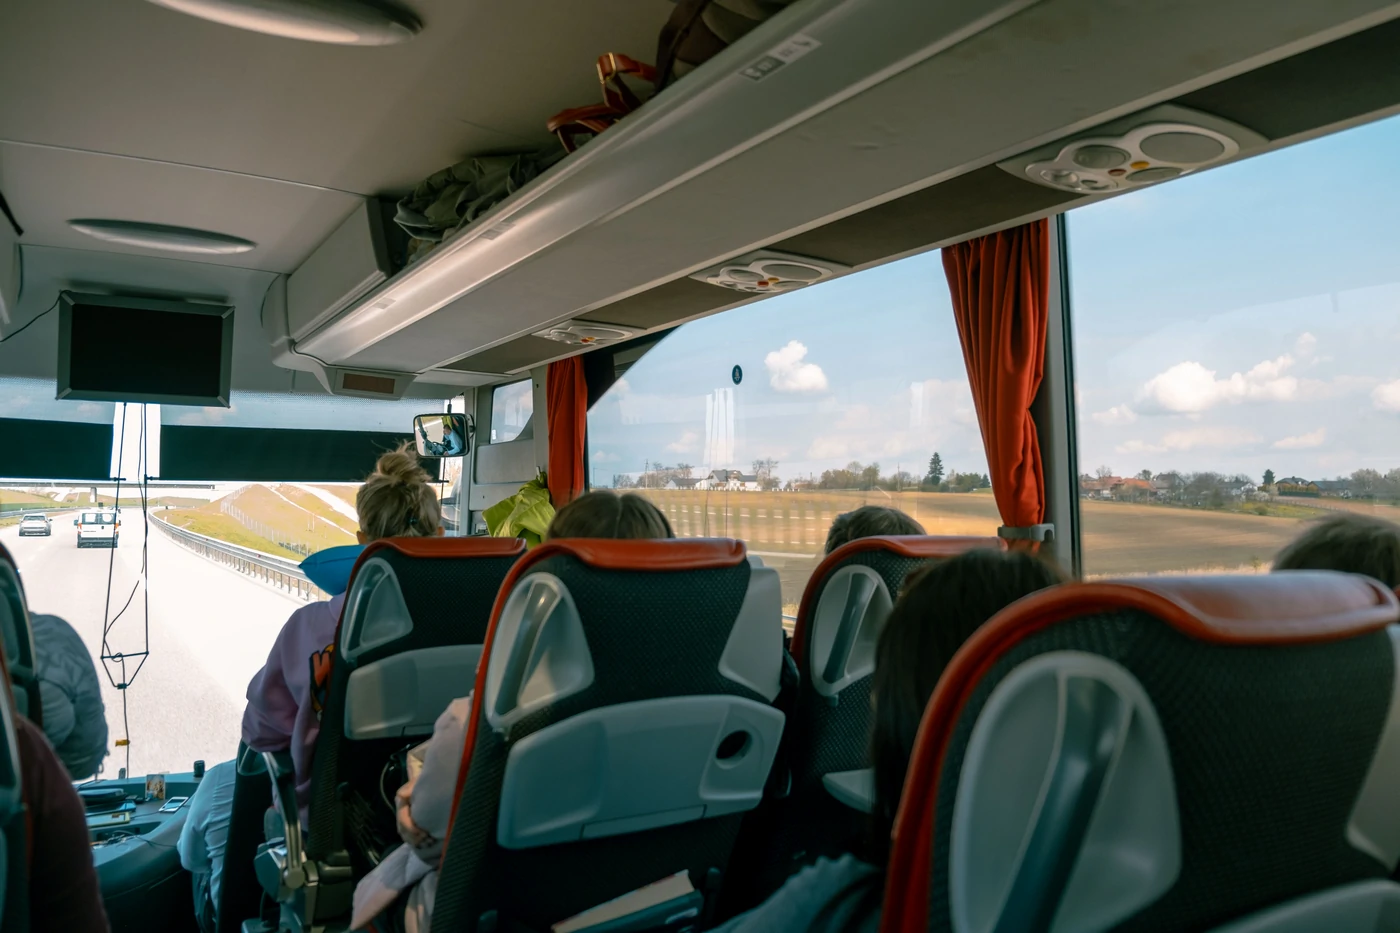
column 935, row 470
column 1268, row 477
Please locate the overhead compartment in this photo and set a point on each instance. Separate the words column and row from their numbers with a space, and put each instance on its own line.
column 826, row 111
column 802, row 62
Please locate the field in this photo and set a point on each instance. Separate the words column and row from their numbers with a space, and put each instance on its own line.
column 789, row 529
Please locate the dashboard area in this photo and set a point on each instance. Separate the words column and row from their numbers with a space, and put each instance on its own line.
column 134, row 837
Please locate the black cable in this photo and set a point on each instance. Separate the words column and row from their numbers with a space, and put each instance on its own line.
column 109, row 621
column 10, row 215
column 32, row 320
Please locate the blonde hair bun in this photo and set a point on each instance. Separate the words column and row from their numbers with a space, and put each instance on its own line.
column 401, row 467
column 397, row 499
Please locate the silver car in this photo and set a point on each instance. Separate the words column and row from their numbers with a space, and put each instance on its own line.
column 35, row 524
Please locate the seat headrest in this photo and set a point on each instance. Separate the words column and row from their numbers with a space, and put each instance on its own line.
column 1127, row 696
column 6, row 557
column 660, row 555
column 444, row 547
column 911, row 547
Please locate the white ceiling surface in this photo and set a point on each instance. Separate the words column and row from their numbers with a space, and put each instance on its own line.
column 132, row 78
column 1053, row 69
column 47, row 187
column 34, row 352
column 120, row 109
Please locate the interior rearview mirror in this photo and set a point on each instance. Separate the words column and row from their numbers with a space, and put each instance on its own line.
column 442, row 435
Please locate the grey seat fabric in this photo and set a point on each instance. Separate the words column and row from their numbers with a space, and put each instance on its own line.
column 413, row 614
column 817, row 811
column 1162, row 754
column 623, row 723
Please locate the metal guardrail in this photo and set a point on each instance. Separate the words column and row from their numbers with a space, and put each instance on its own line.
column 276, row 571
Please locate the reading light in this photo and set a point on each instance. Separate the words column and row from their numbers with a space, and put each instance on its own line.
column 162, row 237
column 342, row 22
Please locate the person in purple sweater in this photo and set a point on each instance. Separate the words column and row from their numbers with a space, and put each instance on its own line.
column 285, row 698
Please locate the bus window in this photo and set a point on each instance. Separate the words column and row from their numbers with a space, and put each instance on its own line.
column 1237, row 356
column 766, row 421
column 511, row 408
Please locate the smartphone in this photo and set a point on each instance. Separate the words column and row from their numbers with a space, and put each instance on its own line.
column 173, row 804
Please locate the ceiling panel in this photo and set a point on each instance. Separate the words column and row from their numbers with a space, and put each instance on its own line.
column 48, row 187
column 129, row 77
column 47, row 271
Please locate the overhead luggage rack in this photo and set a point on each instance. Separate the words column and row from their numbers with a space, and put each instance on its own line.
column 607, row 221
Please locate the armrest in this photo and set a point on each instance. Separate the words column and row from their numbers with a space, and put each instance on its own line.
column 280, row 769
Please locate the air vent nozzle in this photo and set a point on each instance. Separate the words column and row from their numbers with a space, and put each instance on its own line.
column 1155, row 145
column 768, row 272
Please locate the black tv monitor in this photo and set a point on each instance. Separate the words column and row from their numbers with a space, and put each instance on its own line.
column 118, row 349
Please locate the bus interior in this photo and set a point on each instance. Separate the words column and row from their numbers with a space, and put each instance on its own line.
column 1116, row 282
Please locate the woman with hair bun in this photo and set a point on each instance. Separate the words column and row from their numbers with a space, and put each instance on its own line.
column 285, row 697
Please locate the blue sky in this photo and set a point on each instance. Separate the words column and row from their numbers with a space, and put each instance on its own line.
column 1246, row 318
column 864, row 368
column 1242, row 319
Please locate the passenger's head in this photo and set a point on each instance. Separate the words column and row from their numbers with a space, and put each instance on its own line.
column 1350, row 542
column 867, row 522
column 938, row 609
column 605, row 514
column 397, row 499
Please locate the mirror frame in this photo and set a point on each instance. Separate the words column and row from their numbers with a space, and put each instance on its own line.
column 461, row 422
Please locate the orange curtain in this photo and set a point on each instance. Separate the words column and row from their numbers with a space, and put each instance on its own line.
column 1000, row 286
column 566, row 397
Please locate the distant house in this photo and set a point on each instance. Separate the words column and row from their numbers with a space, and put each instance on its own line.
column 1167, row 485
column 1098, row 487
column 729, row 480
column 1131, row 489
column 1334, row 487
column 1297, row 486
column 681, row 482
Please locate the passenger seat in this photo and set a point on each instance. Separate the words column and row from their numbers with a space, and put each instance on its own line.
column 410, row 637
column 18, row 635
column 822, row 804
column 622, row 724
column 14, row 823
column 1190, row 753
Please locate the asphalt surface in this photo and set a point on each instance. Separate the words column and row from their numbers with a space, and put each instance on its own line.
column 210, row 631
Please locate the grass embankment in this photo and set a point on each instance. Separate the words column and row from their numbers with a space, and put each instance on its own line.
column 345, row 493
column 270, row 515
column 222, row 527
column 320, row 507
column 292, row 524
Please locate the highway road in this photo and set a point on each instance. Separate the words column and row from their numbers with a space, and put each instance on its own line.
column 210, row 631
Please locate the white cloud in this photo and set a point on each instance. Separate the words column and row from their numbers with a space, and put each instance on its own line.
column 1190, row 439
column 1386, row 396
column 685, row 444
column 1207, row 437
column 1302, row 441
column 1117, row 415
column 1305, row 345
column 1190, row 387
column 788, row 372
column 602, row 456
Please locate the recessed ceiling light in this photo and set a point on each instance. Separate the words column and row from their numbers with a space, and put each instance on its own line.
column 163, row 237
column 343, row 22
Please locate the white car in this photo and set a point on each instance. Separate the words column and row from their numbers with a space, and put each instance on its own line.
column 98, row 528
column 35, row 524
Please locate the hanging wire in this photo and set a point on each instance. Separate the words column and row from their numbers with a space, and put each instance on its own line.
column 142, row 581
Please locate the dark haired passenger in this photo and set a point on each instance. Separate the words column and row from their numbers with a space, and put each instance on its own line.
column 424, row 805
column 867, row 522
column 1349, row 542
column 939, row 608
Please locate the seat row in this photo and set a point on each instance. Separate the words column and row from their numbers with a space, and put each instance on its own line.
column 1095, row 750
